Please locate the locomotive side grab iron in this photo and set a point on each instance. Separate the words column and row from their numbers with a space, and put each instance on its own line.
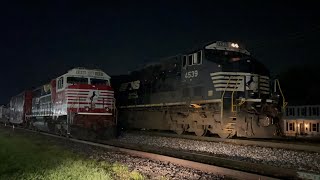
column 218, row 88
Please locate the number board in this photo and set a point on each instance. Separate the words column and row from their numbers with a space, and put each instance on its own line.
column 222, row 44
column 89, row 73
column 191, row 74
column 82, row 72
column 98, row 73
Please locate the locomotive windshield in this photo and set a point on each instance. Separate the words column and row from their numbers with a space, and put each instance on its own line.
column 222, row 57
column 233, row 61
column 99, row 81
column 77, row 80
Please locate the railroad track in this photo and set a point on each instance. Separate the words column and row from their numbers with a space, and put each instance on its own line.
column 201, row 162
column 262, row 143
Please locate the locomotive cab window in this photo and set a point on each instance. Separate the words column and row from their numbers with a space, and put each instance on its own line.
column 190, row 60
column 60, row 83
column 99, row 81
column 184, row 61
column 77, row 80
column 197, row 57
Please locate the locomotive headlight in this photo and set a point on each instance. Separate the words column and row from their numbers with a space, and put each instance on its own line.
column 234, row 45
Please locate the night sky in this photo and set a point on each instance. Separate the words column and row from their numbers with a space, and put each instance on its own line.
column 41, row 40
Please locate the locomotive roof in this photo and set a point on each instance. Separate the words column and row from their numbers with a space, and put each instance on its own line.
column 87, row 72
column 218, row 45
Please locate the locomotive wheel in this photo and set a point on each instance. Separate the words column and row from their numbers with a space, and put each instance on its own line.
column 200, row 131
column 179, row 131
column 224, row 135
column 178, row 128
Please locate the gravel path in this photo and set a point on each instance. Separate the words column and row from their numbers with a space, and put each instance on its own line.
column 149, row 168
column 305, row 161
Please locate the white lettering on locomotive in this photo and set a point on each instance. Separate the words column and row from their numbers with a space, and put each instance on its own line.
column 191, row 74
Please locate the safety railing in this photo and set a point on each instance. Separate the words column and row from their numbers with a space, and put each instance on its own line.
column 284, row 103
column 234, row 105
column 222, row 97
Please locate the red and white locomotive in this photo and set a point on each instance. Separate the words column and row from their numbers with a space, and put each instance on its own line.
column 78, row 102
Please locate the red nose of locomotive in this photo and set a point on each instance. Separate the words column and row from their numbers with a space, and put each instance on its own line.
column 90, row 99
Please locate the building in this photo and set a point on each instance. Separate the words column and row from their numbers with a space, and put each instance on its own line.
column 302, row 121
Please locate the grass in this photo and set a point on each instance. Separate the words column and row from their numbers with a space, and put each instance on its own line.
column 34, row 157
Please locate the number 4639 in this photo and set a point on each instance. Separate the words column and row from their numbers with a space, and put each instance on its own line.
column 191, row 74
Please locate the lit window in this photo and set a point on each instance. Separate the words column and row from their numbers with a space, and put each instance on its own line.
column 310, row 126
column 291, row 127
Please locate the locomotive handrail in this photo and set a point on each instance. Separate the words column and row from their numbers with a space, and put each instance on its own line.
column 284, row 103
column 232, row 103
column 224, row 91
column 222, row 97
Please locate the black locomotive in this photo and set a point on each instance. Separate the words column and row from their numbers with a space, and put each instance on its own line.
column 218, row 88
